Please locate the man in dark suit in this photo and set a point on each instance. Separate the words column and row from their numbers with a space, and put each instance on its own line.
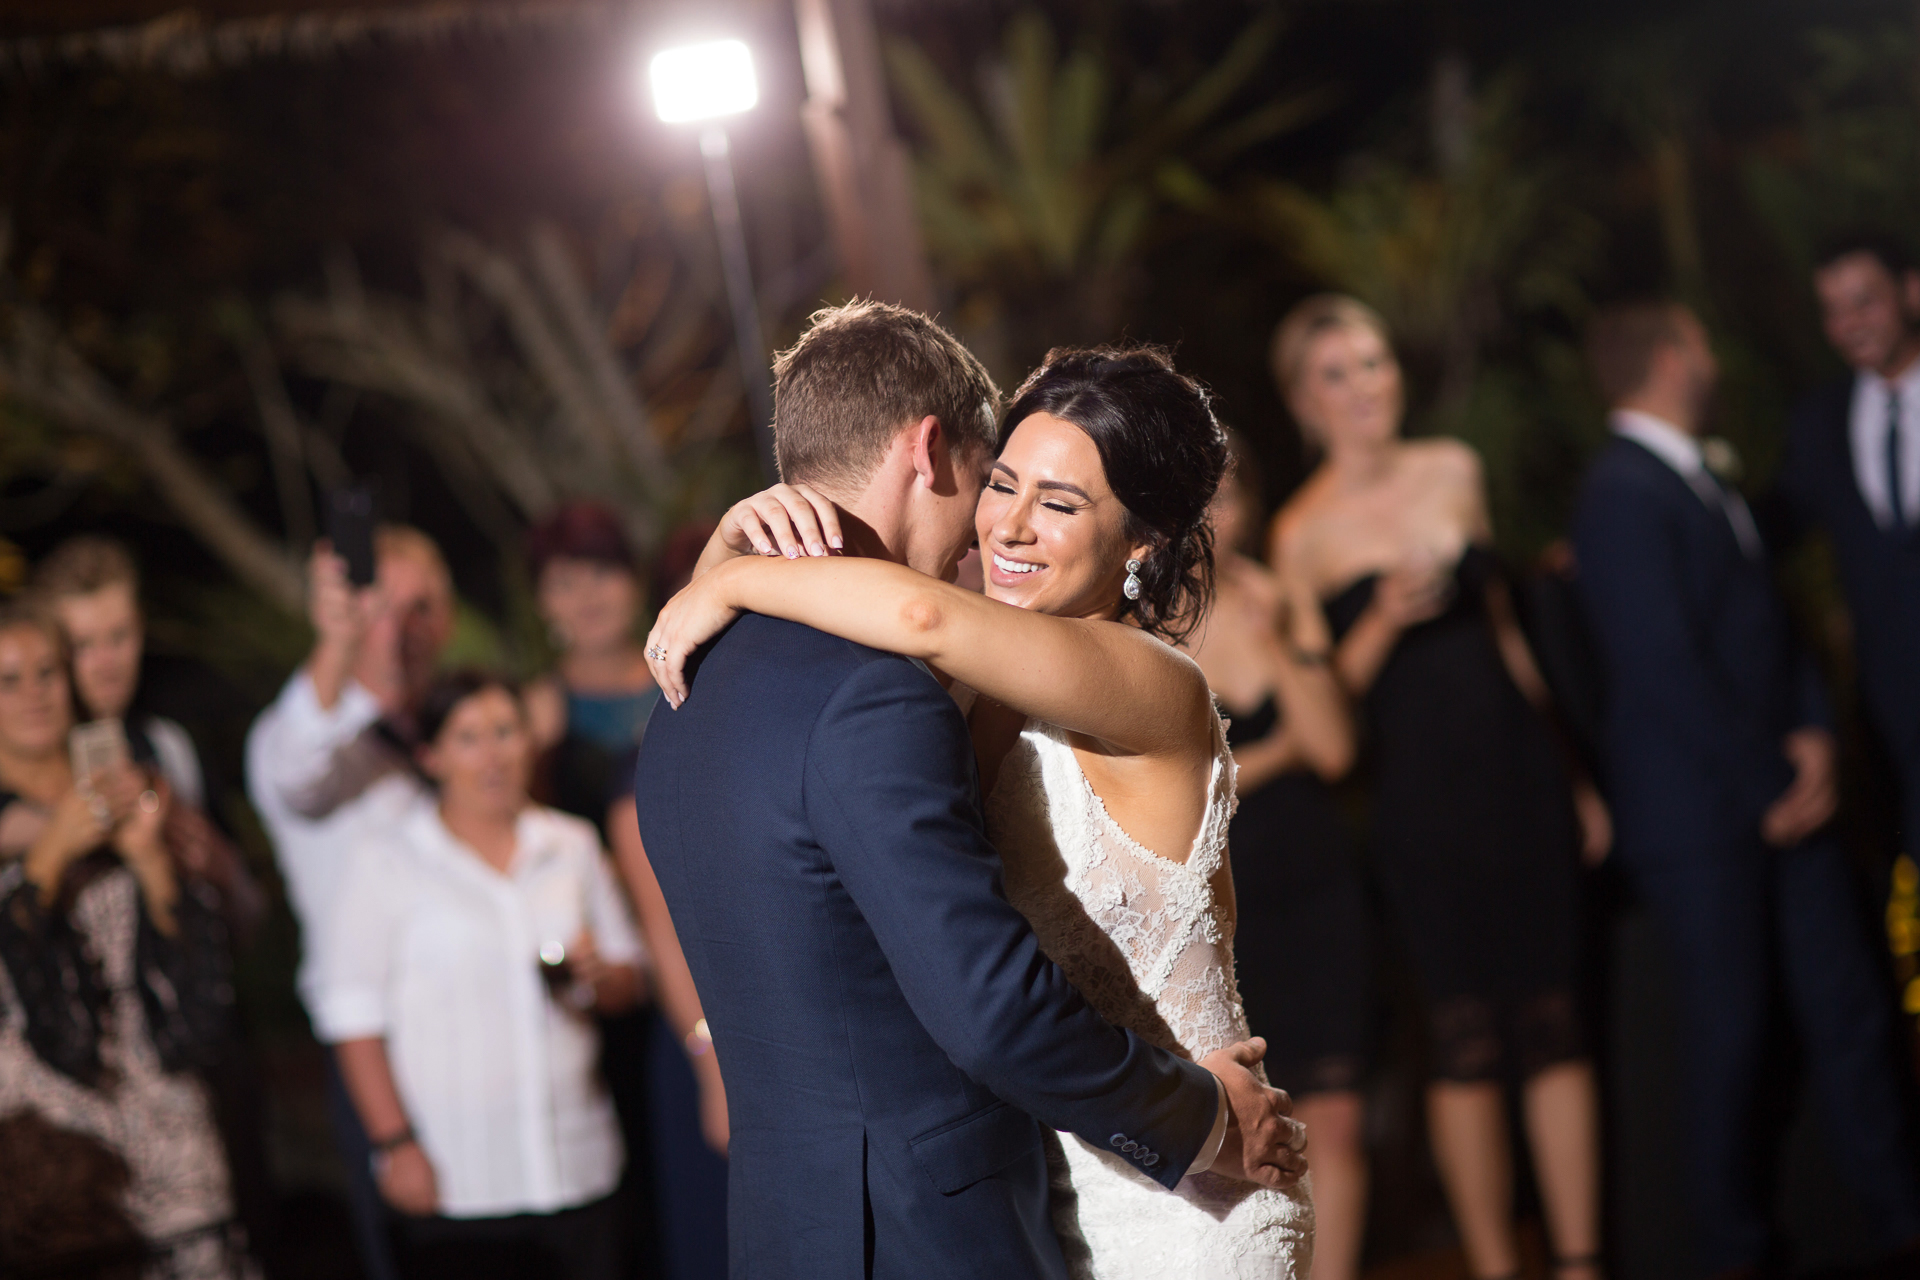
column 891, row 1036
column 1853, row 468
column 1721, row 775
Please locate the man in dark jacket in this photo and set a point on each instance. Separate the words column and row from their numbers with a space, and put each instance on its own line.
column 1852, row 468
column 1721, row 774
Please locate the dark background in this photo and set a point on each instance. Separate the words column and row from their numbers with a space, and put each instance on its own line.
column 1484, row 172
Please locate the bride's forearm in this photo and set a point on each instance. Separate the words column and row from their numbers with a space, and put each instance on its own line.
column 1108, row 681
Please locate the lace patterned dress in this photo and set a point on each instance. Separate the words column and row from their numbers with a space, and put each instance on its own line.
column 159, row 1122
column 1147, row 941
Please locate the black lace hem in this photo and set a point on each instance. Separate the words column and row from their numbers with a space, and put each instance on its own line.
column 1476, row 1040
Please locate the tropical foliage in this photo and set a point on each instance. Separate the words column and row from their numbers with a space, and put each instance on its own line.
column 1038, row 191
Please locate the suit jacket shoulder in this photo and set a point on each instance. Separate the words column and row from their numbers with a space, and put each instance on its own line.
column 1818, row 450
column 1625, row 467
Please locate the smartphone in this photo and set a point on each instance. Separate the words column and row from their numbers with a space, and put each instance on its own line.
column 96, row 748
column 350, row 521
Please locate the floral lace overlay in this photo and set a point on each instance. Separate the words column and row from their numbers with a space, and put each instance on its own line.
column 159, row 1121
column 1147, row 942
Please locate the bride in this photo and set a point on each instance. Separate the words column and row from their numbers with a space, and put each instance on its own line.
column 1108, row 781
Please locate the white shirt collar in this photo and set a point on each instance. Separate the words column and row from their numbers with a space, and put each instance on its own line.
column 532, row 845
column 1661, row 438
column 1682, row 452
column 1908, row 382
column 1867, row 439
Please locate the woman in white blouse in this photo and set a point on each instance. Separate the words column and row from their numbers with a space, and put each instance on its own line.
column 471, row 943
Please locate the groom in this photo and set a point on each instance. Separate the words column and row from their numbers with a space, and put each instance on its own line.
column 892, row 1037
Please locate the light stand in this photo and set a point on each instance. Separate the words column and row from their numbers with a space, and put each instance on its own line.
column 748, row 340
column 708, row 82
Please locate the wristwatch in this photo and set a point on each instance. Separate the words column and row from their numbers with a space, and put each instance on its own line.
column 382, row 1151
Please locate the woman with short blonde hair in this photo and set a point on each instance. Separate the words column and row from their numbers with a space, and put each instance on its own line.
column 1474, row 829
column 1295, row 335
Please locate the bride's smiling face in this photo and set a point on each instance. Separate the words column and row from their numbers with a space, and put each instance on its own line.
column 1053, row 538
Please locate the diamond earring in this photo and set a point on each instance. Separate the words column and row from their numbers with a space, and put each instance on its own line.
column 1131, row 587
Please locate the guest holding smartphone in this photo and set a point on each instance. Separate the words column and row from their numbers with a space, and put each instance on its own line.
column 471, row 943
column 115, row 990
column 328, row 765
column 92, row 587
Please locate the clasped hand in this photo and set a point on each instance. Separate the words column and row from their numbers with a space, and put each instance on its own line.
column 1264, row 1144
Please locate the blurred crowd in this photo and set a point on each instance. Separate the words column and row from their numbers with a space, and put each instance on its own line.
column 1434, row 749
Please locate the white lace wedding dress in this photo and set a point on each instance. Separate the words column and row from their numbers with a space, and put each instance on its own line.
column 1146, row 940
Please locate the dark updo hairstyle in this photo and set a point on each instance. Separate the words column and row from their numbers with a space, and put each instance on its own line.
column 451, row 688
column 1163, row 453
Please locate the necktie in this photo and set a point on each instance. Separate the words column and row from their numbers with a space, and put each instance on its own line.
column 1894, row 485
column 1731, row 505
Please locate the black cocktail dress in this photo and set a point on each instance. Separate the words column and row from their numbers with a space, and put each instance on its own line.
column 1474, row 837
column 1303, row 939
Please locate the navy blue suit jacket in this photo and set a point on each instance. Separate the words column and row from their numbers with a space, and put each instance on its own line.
column 1879, row 570
column 1702, row 679
column 887, row 1026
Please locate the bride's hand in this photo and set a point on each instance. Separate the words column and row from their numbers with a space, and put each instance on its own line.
column 696, row 615
column 788, row 520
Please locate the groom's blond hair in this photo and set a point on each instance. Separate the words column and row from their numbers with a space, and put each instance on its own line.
column 859, row 374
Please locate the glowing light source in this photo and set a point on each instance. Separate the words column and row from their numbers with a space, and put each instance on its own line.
column 703, row 81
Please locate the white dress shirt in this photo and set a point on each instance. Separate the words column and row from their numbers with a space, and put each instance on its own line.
column 1682, row 452
column 436, row 952
column 1217, row 1138
column 1867, row 432
column 323, row 782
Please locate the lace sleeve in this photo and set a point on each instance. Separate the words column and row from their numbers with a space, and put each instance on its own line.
column 1201, row 1000
column 1174, row 924
column 1148, row 941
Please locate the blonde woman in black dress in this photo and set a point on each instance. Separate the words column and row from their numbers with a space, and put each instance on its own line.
column 1474, row 826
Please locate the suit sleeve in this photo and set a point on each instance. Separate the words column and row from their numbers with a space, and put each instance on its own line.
column 1796, row 506
column 890, row 783
column 1636, row 603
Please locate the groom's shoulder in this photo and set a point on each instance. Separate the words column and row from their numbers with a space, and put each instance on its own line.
column 759, row 650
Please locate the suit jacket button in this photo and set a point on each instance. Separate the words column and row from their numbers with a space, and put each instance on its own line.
column 1129, row 1147
column 1118, row 1139
column 1150, row 1160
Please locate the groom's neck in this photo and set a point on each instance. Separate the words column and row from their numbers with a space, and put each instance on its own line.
column 874, row 527
column 864, row 541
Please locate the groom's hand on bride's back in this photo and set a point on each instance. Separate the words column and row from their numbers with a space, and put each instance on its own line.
column 1264, row 1143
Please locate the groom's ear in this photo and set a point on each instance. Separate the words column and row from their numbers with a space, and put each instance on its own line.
column 932, row 460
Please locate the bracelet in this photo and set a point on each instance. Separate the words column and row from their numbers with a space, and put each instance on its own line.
column 699, row 1041
column 388, row 1146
